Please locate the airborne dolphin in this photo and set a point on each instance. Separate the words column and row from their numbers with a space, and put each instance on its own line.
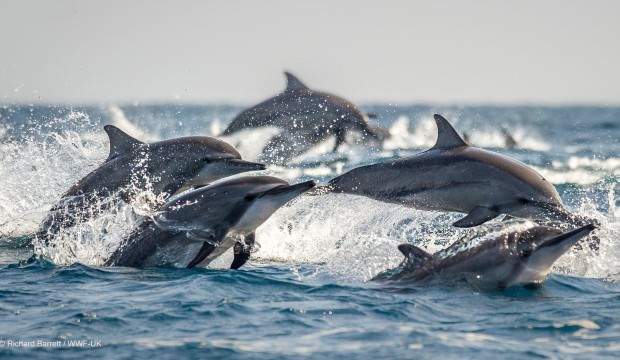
column 163, row 167
column 515, row 258
column 306, row 118
column 198, row 226
column 453, row 176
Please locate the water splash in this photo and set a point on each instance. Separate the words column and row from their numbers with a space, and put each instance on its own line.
column 353, row 237
column 38, row 168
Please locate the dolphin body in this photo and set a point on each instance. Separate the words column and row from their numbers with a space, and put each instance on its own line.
column 163, row 167
column 198, row 226
column 515, row 258
column 453, row 176
column 306, row 118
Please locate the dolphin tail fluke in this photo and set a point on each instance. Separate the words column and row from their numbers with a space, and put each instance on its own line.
column 479, row 215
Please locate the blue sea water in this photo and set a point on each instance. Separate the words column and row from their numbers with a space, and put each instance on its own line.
column 306, row 292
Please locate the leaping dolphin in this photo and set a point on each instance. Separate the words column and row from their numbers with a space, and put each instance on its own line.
column 198, row 226
column 164, row 167
column 453, row 176
column 514, row 258
column 306, row 118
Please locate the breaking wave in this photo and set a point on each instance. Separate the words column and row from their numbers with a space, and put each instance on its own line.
column 351, row 237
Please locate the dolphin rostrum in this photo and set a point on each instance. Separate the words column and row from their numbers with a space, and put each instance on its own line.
column 306, row 117
column 197, row 226
column 163, row 167
column 514, row 258
column 453, row 176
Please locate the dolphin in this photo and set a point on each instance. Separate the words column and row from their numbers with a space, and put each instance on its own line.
column 453, row 176
column 197, row 226
column 509, row 140
column 164, row 167
column 306, row 117
column 514, row 258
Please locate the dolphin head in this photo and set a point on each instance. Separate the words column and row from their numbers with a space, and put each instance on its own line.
column 538, row 250
column 239, row 204
column 198, row 160
column 267, row 200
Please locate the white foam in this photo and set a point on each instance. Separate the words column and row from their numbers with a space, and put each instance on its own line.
column 36, row 172
column 353, row 237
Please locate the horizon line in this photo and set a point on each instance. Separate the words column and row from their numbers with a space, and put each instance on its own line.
column 179, row 102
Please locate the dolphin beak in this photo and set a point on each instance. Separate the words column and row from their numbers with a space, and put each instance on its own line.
column 544, row 255
column 243, row 165
column 294, row 190
column 303, row 187
column 568, row 239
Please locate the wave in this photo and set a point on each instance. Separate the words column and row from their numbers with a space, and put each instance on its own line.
column 353, row 237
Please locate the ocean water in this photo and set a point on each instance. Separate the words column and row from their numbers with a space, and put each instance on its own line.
column 306, row 291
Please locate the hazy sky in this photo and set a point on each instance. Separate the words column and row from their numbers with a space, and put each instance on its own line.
column 235, row 51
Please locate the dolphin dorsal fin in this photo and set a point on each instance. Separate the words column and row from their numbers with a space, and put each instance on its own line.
column 120, row 142
column 447, row 137
column 293, row 83
column 415, row 255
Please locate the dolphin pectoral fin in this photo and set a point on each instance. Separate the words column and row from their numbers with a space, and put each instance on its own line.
column 205, row 250
column 479, row 215
column 242, row 252
column 414, row 255
column 120, row 142
column 447, row 137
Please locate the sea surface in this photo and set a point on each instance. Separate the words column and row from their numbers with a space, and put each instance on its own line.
column 306, row 291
